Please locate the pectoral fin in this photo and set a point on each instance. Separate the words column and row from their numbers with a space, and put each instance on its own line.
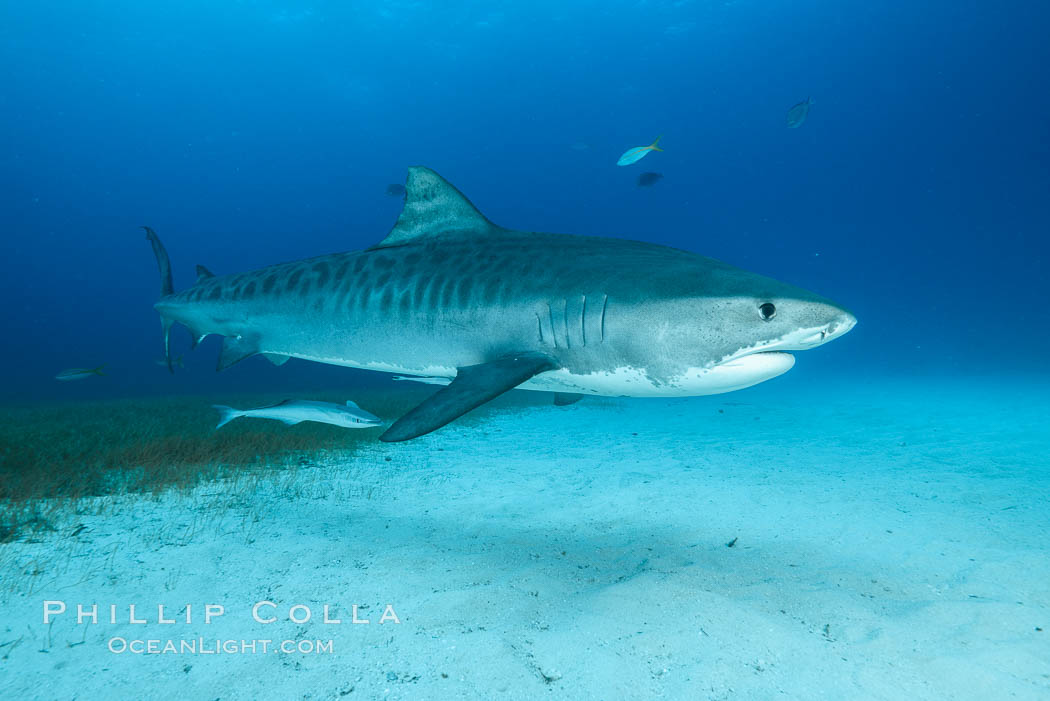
column 276, row 359
column 566, row 398
column 473, row 386
column 235, row 349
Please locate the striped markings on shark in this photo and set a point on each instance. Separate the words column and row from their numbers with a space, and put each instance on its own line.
column 449, row 294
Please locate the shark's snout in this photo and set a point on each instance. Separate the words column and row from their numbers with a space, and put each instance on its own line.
column 838, row 326
column 825, row 324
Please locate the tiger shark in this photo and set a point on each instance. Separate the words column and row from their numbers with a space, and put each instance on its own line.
column 448, row 294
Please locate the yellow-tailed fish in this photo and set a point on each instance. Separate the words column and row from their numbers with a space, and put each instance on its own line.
column 633, row 155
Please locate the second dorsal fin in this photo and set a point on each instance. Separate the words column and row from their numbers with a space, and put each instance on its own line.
column 434, row 207
column 203, row 273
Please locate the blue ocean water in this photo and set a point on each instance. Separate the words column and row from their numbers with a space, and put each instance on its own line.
column 872, row 525
column 250, row 133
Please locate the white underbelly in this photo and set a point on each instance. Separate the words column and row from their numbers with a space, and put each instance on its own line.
column 736, row 374
column 635, row 382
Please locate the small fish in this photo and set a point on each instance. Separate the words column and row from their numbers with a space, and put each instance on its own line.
column 79, row 373
column 797, row 114
column 425, row 380
column 649, row 179
column 174, row 361
column 293, row 411
column 633, row 155
column 395, row 190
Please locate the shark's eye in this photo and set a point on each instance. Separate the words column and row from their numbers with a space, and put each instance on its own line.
column 768, row 310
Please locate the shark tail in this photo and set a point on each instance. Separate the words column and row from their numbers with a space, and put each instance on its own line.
column 98, row 370
column 653, row 146
column 166, row 288
column 226, row 414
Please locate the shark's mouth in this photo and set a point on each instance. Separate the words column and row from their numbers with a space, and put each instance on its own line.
column 800, row 339
column 768, row 359
column 746, row 370
column 754, row 358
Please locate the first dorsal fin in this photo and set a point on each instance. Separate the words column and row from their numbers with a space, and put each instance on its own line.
column 203, row 273
column 434, row 207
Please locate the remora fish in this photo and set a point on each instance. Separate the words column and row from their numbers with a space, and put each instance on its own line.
column 293, row 411
column 633, row 155
column 79, row 373
column 450, row 294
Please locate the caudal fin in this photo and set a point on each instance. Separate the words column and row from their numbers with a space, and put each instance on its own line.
column 166, row 288
column 653, row 146
column 226, row 414
column 98, row 370
column 163, row 262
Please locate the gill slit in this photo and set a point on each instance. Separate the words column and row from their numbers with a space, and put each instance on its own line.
column 554, row 330
column 583, row 322
column 605, row 303
column 565, row 320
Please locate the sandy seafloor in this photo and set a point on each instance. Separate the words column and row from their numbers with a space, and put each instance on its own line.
column 892, row 542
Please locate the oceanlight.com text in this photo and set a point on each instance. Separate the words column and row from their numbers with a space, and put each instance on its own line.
column 216, row 646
